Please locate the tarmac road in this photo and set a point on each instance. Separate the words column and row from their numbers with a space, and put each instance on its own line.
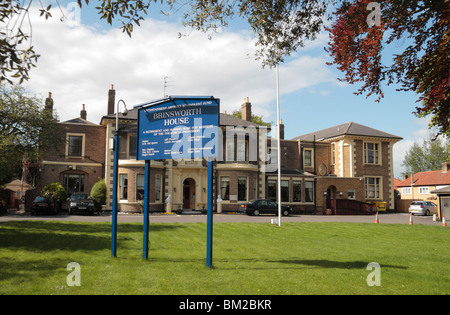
column 392, row 218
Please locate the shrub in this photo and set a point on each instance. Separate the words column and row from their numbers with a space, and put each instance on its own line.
column 55, row 190
column 98, row 194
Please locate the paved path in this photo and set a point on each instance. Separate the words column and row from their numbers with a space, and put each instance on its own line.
column 393, row 218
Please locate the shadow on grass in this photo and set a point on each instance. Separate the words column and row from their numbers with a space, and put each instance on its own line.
column 47, row 236
column 255, row 264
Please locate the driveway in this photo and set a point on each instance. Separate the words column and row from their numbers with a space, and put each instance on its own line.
column 393, row 218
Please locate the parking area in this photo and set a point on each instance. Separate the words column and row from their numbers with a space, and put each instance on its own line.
column 391, row 218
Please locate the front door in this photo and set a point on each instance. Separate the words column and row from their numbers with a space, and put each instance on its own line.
column 186, row 197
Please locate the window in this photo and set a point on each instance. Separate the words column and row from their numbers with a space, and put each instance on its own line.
column 307, row 155
column 272, row 189
column 158, row 188
column 225, row 187
column 241, row 156
column 285, row 190
column 123, row 186
column 309, row 191
column 132, row 146
column 73, row 183
column 406, row 191
column 371, row 153
column 297, row 189
column 230, row 150
column 75, row 146
column 373, row 187
column 255, row 187
column 351, row 193
column 424, row 190
column 242, row 188
column 140, row 182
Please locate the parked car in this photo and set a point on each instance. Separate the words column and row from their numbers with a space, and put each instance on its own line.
column 81, row 202
column 264, row 206
column 422, row 207
column 44, row 204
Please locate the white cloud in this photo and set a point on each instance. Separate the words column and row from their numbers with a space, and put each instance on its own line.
column 78, row 64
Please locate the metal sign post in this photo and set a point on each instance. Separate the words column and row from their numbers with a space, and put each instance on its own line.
column 209, row 224
column 178, row 127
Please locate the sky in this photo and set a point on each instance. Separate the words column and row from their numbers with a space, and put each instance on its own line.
column 81, row 57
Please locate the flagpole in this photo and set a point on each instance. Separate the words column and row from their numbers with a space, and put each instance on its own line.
column 279, row 148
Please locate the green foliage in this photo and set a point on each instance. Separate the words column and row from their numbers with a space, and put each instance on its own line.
column 26, row 129
column 55, row 190
column 427, row 156
column 255, row 118
column 98, row 194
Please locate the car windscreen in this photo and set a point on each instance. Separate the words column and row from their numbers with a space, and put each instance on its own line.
column 415, row 203
column 42, row 199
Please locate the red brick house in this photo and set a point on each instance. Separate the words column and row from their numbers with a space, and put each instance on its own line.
column 79, row 163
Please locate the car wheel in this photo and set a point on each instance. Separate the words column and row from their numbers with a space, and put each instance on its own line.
column 427, row 212
column 285, row 213
column 256, row 212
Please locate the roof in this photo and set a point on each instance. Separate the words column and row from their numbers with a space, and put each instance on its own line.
column 350, row 129
column 224, row 119
column 79, row 121
column 443, row 190
column 432, row 178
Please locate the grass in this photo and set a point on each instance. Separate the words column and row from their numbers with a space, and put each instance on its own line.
column 248, row 258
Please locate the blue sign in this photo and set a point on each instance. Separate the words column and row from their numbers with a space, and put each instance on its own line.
column 178, row 128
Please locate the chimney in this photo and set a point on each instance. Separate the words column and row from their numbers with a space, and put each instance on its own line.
column 111, row 99
column 49, row 104
column 445, row 167
column 281, row 130
column 246, row 110
column 83, row 113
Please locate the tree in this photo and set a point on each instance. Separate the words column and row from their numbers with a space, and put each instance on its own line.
column 26, row 128
column 426, row 157
column 357, row 42
column 255, row 118
column 357, row 38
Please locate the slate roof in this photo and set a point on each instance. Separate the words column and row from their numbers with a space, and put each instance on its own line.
column 79, row 121
column 224, row 119
column 350, row 128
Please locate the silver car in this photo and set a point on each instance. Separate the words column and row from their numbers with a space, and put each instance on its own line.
column 422, row 207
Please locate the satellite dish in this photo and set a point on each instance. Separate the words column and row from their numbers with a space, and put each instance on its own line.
column 322, row 169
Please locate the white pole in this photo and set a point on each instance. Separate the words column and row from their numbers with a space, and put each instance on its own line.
column 279, row 148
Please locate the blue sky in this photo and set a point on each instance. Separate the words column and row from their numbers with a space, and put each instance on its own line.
column 82, row 56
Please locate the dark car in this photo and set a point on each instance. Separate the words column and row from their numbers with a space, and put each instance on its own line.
column 263, row 206
column 81, row 202
column 44, row 204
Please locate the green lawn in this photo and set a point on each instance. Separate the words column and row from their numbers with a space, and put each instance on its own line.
column 249, row 258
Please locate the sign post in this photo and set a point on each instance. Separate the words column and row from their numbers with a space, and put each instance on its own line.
column 178, row 127
column 209, row 223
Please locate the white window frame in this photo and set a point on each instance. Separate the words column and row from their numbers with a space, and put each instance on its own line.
column 83, row 144
column 406, row 190
column 424, row 190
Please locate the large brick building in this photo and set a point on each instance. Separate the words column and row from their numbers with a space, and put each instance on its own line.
column 79, row 163
column 348, row 162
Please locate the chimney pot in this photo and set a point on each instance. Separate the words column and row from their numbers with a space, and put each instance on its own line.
column 83, row 113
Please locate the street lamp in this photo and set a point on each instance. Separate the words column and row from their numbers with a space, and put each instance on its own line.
column 115, row 171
